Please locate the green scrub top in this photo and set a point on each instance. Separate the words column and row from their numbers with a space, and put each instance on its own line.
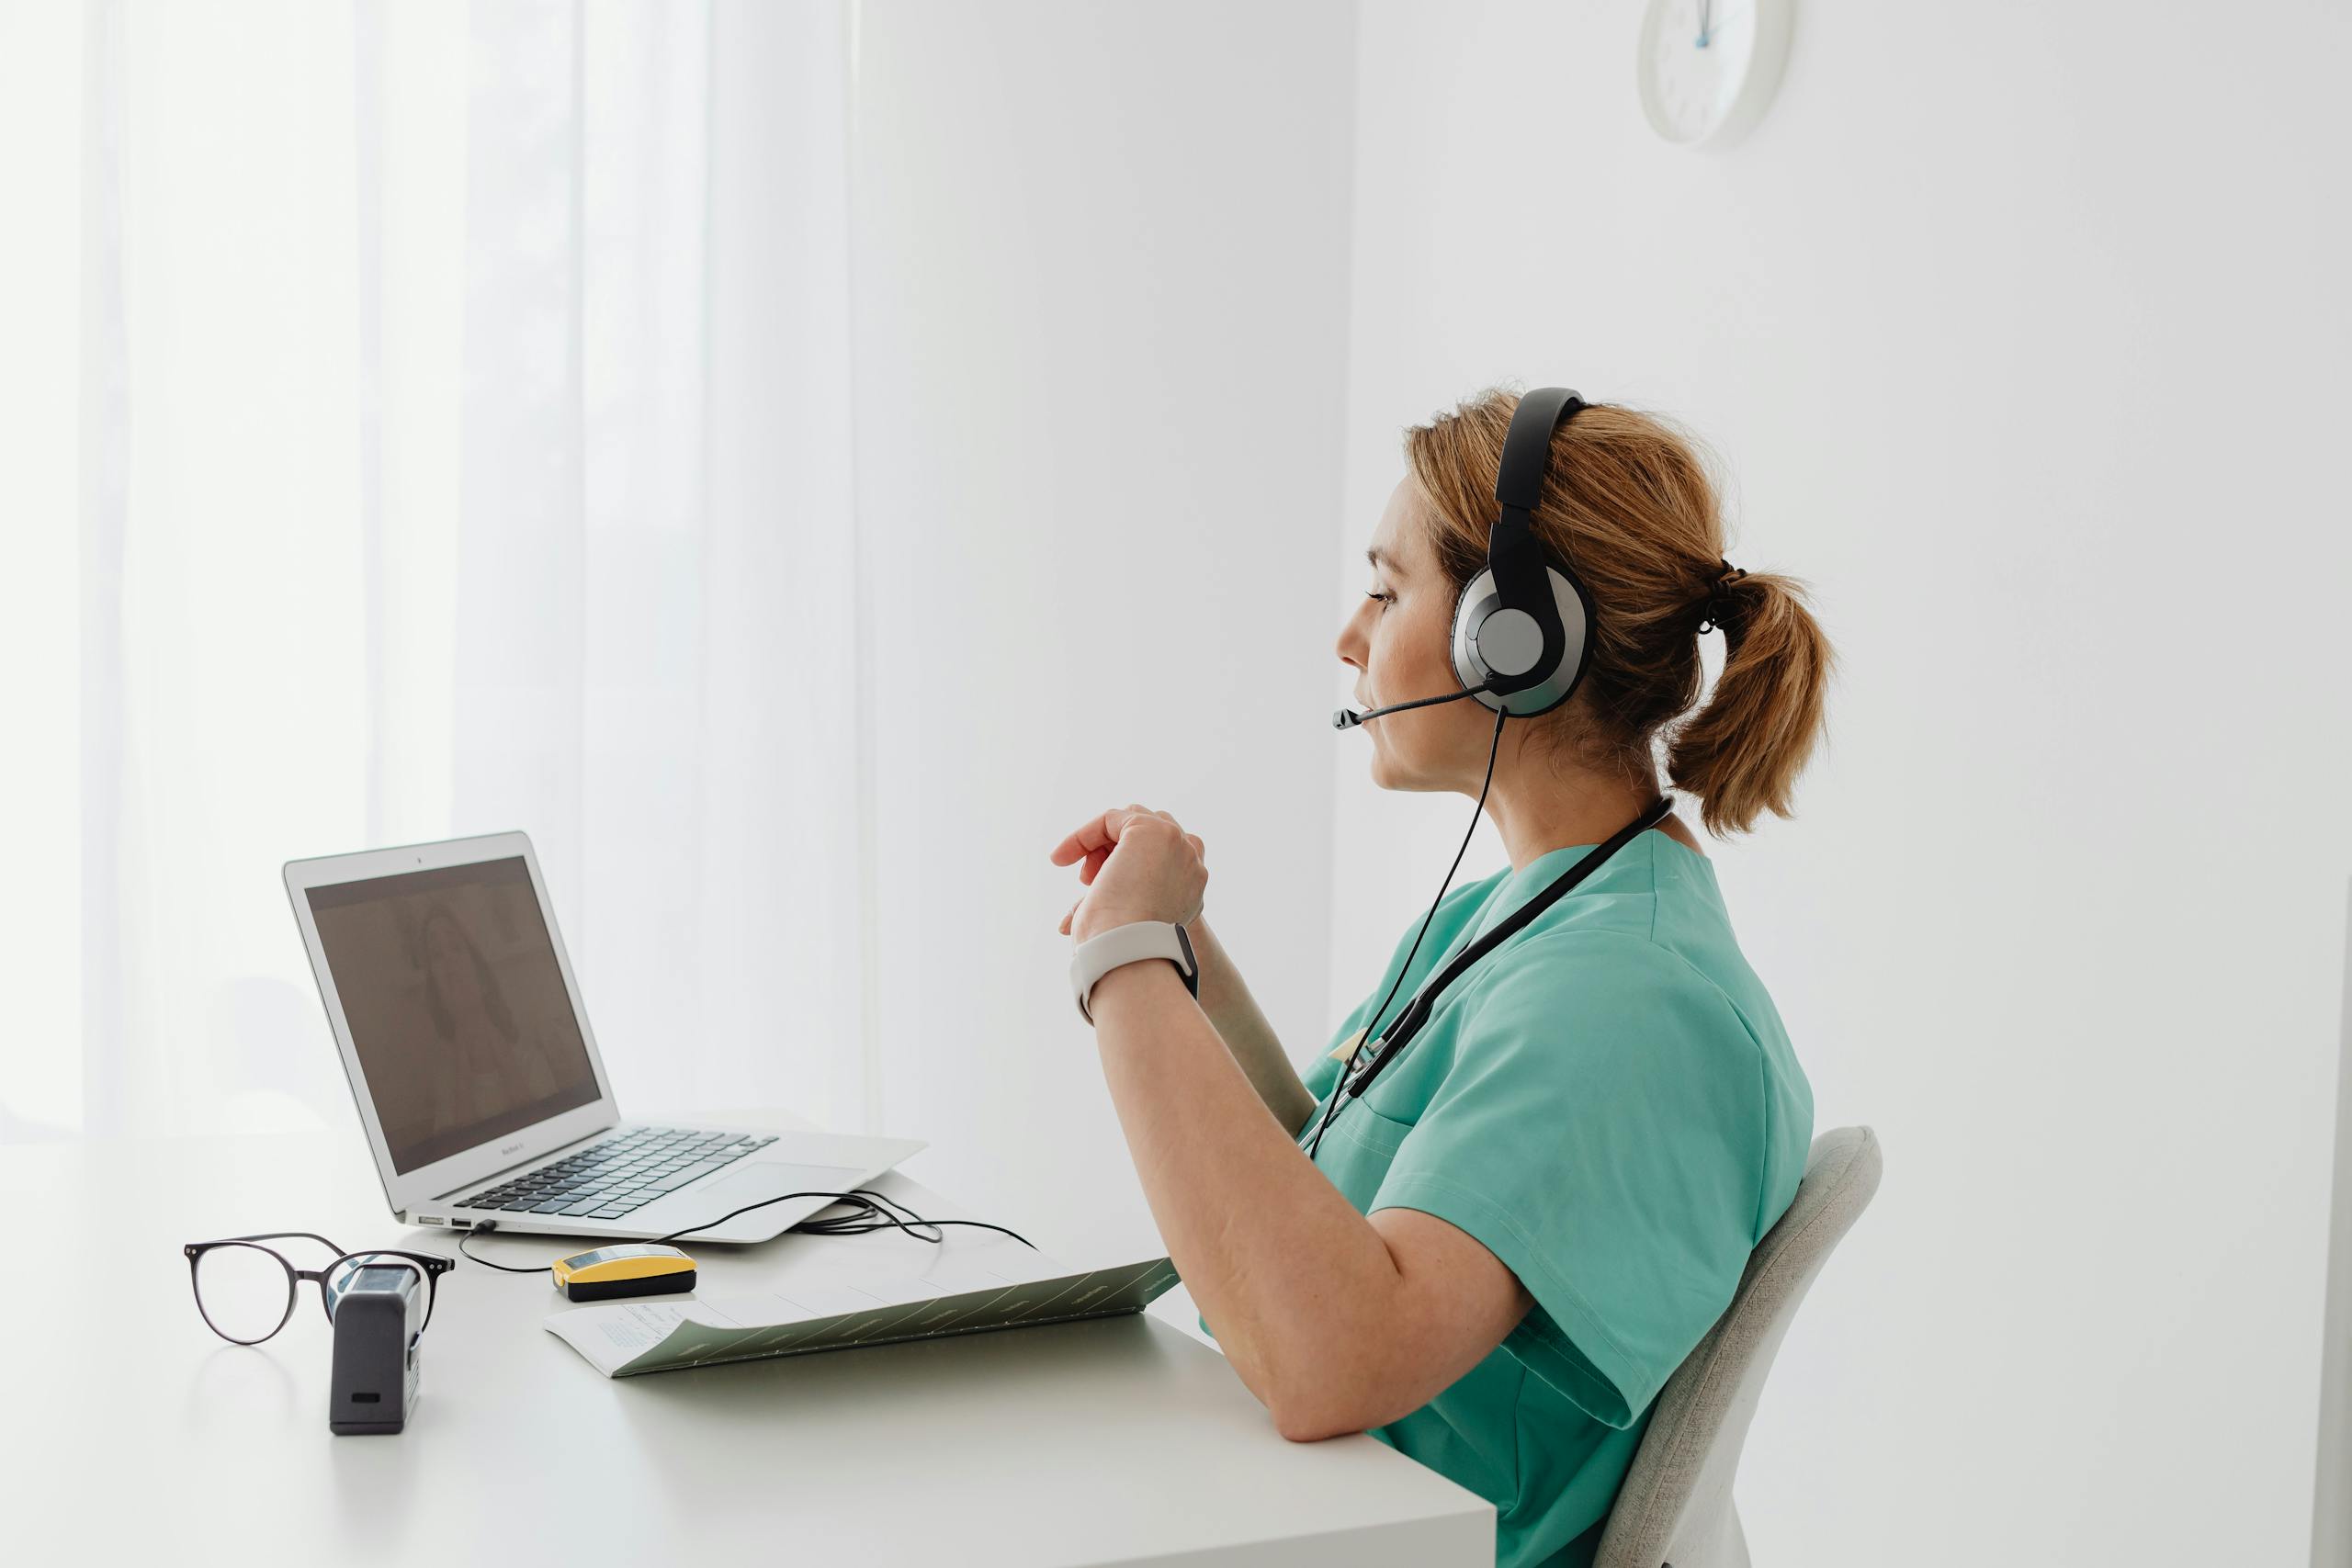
column 1609, row 1103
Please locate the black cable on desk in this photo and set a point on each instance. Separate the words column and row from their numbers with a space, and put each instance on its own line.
column 874, row 1214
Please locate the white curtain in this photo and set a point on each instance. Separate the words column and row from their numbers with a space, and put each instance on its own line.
column 437, row 422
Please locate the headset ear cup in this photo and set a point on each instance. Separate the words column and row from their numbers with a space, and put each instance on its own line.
column 1464, row 645
column 1478, row 600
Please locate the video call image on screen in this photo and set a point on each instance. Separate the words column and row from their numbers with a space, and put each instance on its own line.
column 456, row 1006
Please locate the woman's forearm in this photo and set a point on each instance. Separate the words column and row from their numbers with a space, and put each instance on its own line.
column 1297, row 1286
column 1226, row 998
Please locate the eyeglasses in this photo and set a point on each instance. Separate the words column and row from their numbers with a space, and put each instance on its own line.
column 245, row 1290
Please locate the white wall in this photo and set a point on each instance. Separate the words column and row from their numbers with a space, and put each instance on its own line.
column 1099, row 265
column 2022, row 330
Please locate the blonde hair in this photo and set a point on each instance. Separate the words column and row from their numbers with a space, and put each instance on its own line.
column 1627, row 502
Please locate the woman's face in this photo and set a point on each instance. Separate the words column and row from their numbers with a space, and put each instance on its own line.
column 1399, row 647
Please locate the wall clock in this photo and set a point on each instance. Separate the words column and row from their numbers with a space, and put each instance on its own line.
column 1708, row 68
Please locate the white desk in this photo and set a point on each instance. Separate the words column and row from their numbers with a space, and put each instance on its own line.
column 128, row 1432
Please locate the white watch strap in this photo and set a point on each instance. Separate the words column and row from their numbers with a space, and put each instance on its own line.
column 1099, row 954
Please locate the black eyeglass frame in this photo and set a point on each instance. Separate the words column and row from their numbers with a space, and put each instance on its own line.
column 431, row 1265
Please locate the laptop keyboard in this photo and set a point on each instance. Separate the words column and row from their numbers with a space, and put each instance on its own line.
column 609, row 1179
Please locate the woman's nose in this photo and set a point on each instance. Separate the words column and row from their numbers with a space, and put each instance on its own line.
column 1351, row 639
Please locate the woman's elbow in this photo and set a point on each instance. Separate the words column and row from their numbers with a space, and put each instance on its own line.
column 1313, row 1393
column 1299, row 1415
column 1329, row 1407
column 1308, row 1426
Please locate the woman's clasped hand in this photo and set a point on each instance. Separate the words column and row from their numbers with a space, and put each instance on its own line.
column 1139, row 865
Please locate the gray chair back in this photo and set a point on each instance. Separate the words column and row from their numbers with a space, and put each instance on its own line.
column 1675, row 1509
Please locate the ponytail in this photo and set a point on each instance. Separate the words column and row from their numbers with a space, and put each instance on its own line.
column 1741, row 753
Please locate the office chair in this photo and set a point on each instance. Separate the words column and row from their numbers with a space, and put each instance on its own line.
column 1675, row 1508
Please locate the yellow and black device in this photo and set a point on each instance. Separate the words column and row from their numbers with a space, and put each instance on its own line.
column 643, row 1269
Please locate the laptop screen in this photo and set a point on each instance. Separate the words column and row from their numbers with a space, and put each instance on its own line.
column 456, row 1006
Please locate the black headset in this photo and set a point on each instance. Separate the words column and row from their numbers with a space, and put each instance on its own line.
column 1521, row 644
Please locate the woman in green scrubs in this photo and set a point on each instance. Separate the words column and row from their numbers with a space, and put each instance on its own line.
column 1496, row 1256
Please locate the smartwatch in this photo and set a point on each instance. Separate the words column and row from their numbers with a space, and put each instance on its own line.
column 1098, row 955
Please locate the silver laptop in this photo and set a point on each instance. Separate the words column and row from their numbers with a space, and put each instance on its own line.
column 477, row 1075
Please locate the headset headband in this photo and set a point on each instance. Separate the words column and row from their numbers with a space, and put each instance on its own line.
column 1514, row 555
column 1527, row 450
